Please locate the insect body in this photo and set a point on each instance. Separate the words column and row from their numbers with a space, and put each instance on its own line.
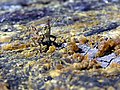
column 45, row 38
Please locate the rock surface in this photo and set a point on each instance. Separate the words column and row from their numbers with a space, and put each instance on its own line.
column 83, row 51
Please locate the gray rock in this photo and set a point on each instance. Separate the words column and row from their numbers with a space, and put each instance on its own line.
column 107, row 58
column 116, row 60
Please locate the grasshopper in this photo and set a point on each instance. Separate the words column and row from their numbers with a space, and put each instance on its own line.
column 45, row 38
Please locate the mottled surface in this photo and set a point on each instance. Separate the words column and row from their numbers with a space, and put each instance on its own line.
column 73, row 63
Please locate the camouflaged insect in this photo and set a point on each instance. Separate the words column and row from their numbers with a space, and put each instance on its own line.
column 44, row 37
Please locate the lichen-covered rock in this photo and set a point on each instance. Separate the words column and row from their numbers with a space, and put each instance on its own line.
column 72, row 47
column 55, row 73
column 15, row 46
column 105, row 47
column 80, row 53
column 6, row 36
column 51, row 49
column 20, row 27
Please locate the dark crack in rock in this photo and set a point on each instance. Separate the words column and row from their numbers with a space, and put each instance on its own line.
column 109, row 27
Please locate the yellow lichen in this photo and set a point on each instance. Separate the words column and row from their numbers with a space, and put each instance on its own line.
column 60, row 40
column 55, row 73
column 112, row 71
column 47, row 65
column 0, row 51
column 27, row 53
column 20, row 27
column 30, row 64
column 7, row 47
column 51, row 49
column 73, row 39
column 64, row 50
column 6, row 36
column 73, row 32
column 117, row 65
column 86, row 64
column 15, row 46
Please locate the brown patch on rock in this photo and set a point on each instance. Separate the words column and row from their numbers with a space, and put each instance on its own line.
column 3, row 86
column 105, row 47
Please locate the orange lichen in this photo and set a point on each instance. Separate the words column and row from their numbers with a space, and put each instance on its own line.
column 94, row 64
column 117, row 46
column 111, row 43
column 72, row 47
column 77, row 56
column 59, row 66
column 63, row 51
column 86, row 65
column 105, row 47
column 83, row 40
column 117, row 65
column 65, row 55
column 117, row 41
column 117, row 51
column 79, row 66
column 86, row 57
